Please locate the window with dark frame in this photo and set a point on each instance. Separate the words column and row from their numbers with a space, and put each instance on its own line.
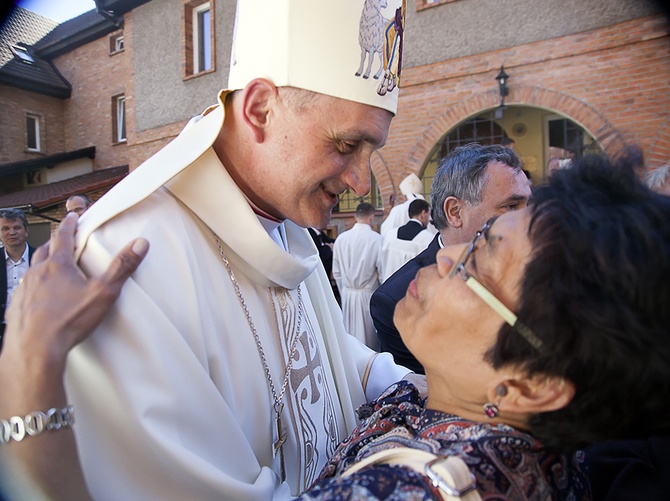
column 116, row 43
column 23, row 54
column 119, row 118
column 202, row 38
column 33, row 132
column 199, row 47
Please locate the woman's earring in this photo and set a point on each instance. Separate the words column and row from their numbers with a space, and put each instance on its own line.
column 490, row 409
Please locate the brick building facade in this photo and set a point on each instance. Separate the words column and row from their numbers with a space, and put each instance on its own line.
column 68, row 85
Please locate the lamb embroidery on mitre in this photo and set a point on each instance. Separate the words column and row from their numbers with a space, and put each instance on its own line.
column 383, row 37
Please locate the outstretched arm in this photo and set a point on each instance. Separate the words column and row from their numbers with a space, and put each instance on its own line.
column 55, row 308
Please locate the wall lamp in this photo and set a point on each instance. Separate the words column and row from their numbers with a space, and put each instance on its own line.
column 502, row 84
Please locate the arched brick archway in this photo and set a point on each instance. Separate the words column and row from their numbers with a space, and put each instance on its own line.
column 383, row 176
column 659, row 151
column 578, row 111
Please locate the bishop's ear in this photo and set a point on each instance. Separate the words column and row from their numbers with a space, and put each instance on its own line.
column 258, row 98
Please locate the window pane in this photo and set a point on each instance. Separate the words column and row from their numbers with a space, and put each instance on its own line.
column 204, row 41
column 121, row 118
column 23, row 54
column 32, row 127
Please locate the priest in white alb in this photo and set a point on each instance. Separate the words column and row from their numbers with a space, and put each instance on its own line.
column 356, row 269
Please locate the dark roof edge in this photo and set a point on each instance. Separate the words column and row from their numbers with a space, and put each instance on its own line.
column 99, row 29
column 117, row 8
column 36, row 163
column 38, row 87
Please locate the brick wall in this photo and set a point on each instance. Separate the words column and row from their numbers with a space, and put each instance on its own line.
column 96, row 76
column 14, row 104
column 613, row 81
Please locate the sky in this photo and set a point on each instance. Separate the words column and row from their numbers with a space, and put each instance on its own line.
column 58, row 10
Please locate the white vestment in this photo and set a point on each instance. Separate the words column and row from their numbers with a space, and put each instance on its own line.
column 356, row 268
column 171, row 395
column 396, row 252
column 399, row 216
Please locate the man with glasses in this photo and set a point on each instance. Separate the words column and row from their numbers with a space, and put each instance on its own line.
column 78, row 203
column 472, row 184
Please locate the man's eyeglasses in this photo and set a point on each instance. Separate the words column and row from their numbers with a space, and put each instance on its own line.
column 485, row 294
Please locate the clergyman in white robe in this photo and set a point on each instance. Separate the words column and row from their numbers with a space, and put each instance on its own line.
column 171, row 394
column 399, row 214
column 356, row 268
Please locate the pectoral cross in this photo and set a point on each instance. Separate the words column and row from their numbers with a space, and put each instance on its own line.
column 281, row 439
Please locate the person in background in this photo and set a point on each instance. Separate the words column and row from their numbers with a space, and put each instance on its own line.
column 528, row 335
column 411, row 188
column 78, row 203
column 17, row 256
column 324, row 245
column 356, row 269
column 406, row 242
column 224, row 368
column 472, row 184
column 508, row 142
column 419, row 216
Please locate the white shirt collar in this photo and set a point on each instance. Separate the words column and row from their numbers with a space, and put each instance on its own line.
column 24, row 256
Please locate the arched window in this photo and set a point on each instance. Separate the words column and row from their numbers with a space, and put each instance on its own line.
column 475, row 130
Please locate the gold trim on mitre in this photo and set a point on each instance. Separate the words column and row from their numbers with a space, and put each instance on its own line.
column 351, row 49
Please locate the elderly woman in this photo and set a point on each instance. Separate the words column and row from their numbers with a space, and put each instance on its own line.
column 546, row 333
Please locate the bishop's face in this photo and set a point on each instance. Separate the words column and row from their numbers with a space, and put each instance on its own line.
column 317, row 153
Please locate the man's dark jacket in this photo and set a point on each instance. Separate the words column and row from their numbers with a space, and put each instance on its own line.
column 385, row 299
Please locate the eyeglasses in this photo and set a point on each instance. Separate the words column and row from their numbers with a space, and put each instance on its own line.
column 485, row 294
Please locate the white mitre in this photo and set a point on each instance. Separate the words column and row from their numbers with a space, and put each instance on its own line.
column 350, row 49
column 411, row 185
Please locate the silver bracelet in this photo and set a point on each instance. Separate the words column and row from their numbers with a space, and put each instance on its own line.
column 17, row 427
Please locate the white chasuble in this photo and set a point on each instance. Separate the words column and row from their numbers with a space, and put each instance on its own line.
column 172, row 397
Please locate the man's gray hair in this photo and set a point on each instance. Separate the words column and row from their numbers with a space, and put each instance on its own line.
column 13, row 215
column 462, row 174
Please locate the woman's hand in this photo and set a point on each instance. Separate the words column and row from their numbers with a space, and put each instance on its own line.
column 54, row 308
column 57, row 306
